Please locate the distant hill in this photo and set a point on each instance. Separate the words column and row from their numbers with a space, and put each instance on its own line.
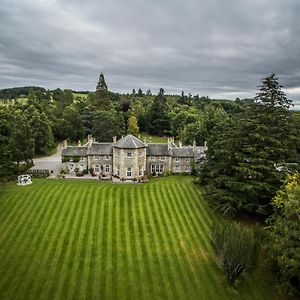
column 19, row 92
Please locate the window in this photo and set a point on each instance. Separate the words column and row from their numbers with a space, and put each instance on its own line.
column 118, row 171
column 128, row 173
column 177, row 159
column 97, row 169
column 163, row 158
column 157, row 168
column 107, row 157
column 187, row 169
column 107, row 168
column 177, row 168
column 128, row 154
column 187, row 159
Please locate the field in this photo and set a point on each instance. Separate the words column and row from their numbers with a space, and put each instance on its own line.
column 92, row 240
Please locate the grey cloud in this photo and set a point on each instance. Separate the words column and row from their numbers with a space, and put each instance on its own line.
column 217, row 48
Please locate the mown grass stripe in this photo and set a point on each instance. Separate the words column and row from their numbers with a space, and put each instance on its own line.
column 53, row 291
column 85, row 290
column 78, row 259
column 161, row 282
column 17, row 236
column 193, row 228
column 154, row 200
column 183, row 270
column 45, row 254
column 35, row 243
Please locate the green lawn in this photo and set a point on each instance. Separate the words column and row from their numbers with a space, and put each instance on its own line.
column 81, row 239
column 153, row 138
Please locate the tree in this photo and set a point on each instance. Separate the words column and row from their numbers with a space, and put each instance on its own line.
column 102, row 100
column 42, row 133
column 71, row 126
column 158, row 115
column 108, row 124
column 22, row 141
column 284, row 242
column 237, row 248
column 243, row 156
column 133, row 126
column 6, row 162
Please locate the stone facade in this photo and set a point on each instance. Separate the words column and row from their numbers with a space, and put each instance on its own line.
column 130, row 158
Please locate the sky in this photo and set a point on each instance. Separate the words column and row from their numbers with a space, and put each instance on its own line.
column 215, row 48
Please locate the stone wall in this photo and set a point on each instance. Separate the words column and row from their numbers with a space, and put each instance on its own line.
column 122, row 161
column 101, row 160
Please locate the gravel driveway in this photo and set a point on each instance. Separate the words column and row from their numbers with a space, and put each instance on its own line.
column 52, row 162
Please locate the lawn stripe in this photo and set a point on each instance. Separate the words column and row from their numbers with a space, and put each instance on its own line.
column 16, row 235
column 35, row 243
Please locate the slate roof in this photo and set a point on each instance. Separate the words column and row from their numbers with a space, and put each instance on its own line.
column 100, row 149
column 199, row 154
column 129, row 142
column 184, row 151
column 158, row 150
column 74, row 151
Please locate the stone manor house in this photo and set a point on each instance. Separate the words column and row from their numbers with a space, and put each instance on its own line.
column 130, row 158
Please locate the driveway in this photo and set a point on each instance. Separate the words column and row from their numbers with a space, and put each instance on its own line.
column 52, row 162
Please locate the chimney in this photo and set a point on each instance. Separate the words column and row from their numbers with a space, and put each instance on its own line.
column 114, row 139
column 150, row 139
column 169, row 143
column 179, row 144
column 90, row 141
column 79, row 143
column 205, row 145
column 194, row 145
column 65, row 144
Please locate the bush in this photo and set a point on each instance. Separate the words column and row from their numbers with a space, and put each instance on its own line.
column 236, row 247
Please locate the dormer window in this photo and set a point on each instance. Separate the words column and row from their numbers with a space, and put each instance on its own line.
column 128, row 154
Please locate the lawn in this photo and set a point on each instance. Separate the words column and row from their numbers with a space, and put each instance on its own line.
column 81, row 239
column 153, row 138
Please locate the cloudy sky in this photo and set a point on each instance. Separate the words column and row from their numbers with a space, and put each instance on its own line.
column 218, row 48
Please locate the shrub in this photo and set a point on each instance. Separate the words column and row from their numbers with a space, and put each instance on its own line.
column 236, row 247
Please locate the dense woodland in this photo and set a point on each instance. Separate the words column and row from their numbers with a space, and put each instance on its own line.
column 253, row 147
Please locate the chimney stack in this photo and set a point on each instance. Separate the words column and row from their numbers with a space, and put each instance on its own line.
column 205, row 145
column 114, row 139
column 65, row 144
column 179, row 144
column 169, row 144
column 79, row 143
column 194, row 145
column 90, row 141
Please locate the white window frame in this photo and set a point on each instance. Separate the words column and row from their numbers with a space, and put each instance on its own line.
column 177, row 168
column 107, row 168
column 97, row 167
column 177, row 159
column 157, row 168
column 129, row 172
column 129, row 154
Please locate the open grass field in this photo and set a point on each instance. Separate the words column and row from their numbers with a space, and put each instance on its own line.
column 93, row 240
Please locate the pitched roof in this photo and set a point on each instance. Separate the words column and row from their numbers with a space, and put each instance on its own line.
column 129, row 142
column 184, row 151
column 158, row 150
column 100, row 149
column 74, row 151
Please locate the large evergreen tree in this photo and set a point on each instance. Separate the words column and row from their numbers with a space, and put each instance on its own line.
column 158, row 115
column 244, row 156
column 102, row 100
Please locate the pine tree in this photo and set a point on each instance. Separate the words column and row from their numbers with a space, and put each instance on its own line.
column 244, row 156
column 102, row 100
